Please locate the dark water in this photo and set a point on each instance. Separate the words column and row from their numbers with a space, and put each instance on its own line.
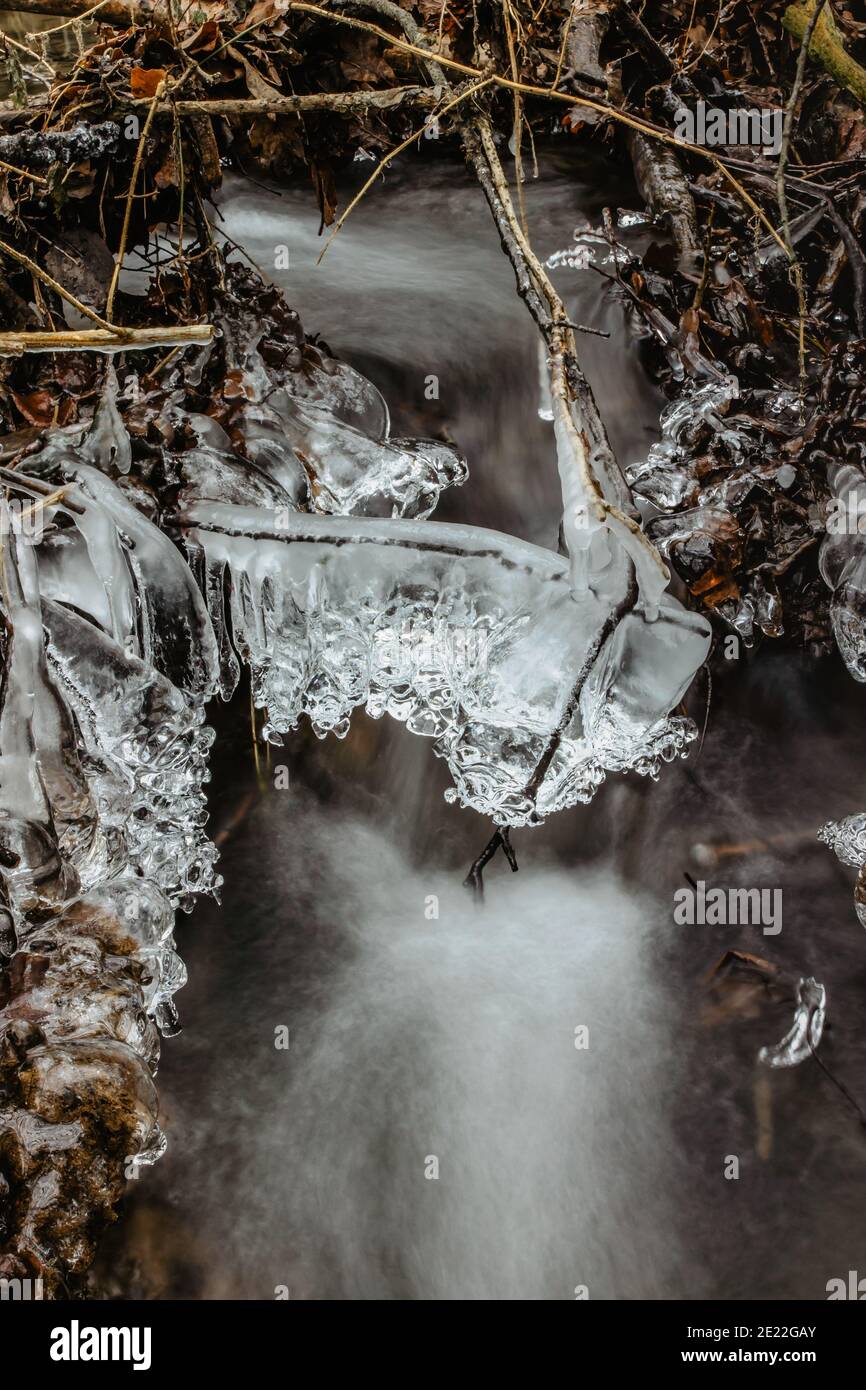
column 415, row 1036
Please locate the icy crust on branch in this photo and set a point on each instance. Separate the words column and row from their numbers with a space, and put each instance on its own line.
column 468, row 636
column 353, row 473
column 842, row 563
column 601, row 529
column 102, row 765
column 847, row 839
column 102, row 760
column 667, row 476
column 331, row 426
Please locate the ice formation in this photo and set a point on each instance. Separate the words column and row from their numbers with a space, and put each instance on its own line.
column 535, row 675
column 309, row 557
column 843, row 568
column 843, row 565
column 470, row 637
column 666, row 476
column 102, row 761
column 847, row 838
column 805, row 1033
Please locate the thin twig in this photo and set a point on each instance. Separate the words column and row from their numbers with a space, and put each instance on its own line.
column 382, row 99
column 42, row 490
column 130, row 197
column 22, row 173
column 500, row 839
column 787, row 124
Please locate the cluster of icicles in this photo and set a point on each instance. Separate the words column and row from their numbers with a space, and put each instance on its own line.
column 309, row 557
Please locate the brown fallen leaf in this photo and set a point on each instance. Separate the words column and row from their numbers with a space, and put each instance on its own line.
column 83, row 264
column 35, row 406
column 326, row 193
column 144, row 82
column 204, row 39
column 262, row 12
column 256, row 84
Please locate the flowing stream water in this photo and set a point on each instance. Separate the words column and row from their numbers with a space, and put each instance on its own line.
column 422, row 1027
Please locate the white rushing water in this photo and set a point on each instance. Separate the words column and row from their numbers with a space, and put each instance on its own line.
column 521, row 1052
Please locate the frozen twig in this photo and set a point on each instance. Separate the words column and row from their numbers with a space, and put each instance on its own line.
column 46, row 494
column 106, row 340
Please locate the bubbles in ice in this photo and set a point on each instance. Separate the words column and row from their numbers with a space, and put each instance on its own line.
column 847, row 838
column 842, row 563
column 469, row 637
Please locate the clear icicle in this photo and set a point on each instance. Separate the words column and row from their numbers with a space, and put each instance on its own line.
column 176, row 632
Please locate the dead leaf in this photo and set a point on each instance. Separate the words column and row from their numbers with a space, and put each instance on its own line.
column 36, row 406
column 83, row 264
column 326, row 192
column 168, row 173
column 256, row 84
column 262, row 11
column 204, row 39
column 144, row 82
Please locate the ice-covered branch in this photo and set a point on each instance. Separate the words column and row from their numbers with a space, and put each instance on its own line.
column 468, row 636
